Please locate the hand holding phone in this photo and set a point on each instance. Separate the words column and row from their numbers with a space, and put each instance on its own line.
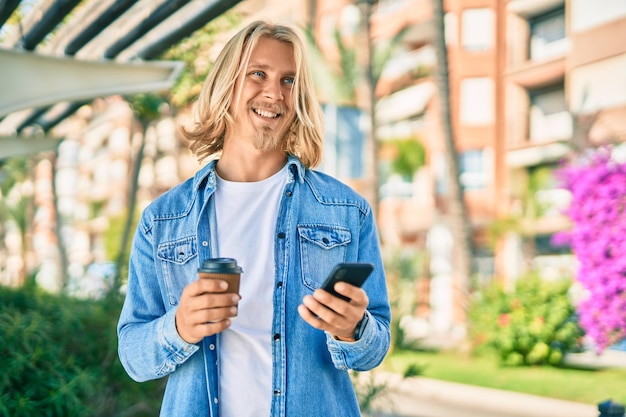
column 355, row 273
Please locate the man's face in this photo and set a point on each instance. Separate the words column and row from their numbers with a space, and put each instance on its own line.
column 265, row 110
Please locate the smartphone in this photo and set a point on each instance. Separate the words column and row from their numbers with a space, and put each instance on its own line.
column 353, row 273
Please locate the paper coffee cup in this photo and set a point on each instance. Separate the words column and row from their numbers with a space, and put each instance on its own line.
column 225, row 269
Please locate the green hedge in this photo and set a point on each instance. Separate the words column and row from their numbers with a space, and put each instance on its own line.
column 534, row 324
column 59, row 358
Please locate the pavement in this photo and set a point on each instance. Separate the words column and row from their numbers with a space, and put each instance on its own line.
column 425, row 397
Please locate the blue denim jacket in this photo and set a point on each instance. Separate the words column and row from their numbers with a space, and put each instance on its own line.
column 321, row 222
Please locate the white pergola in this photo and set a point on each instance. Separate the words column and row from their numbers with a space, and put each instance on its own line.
column 59, row 59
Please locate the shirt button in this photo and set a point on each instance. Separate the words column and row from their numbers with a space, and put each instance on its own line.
column 205, row 243
column 281, row 235
column 277, row 393
column 277, row 336
column 212, row 346
column 279, row 284
column 289, row 193
column 215, row 400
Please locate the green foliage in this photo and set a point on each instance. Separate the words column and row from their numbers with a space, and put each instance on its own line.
column 59, row 358
column 350, row 73
column 539, row 178
column 409, row 158
column 146, row 106
column 339, row 85
column 384, row 51
column 413, row 369
column 335, row 85
column 13, row 171
column 195, row 52
column 500, row 227
column 533, row 325
column 402, row 269
column 112, row 241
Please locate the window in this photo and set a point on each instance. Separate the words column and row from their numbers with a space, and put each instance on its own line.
column 473, row 169
column 549, row 118
column 477, row 96
column 547, row 35
column 545, row 245
column 477, row 29
column 344, row 142
column 451, row 29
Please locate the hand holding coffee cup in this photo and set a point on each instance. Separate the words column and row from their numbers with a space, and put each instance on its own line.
column 203, row 310
column 225, row 269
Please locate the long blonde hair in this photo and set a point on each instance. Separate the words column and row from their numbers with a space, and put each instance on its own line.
column 211, row 112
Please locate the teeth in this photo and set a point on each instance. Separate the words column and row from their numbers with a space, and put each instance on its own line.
column 265, row 113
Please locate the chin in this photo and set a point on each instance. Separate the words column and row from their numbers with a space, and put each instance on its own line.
column 269, row 141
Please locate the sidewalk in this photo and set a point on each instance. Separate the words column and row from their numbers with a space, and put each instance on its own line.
column 424, row 397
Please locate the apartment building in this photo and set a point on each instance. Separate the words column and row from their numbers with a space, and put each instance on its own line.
column 530, row 82
column 564, row 89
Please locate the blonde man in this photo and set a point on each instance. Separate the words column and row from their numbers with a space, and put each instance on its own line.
column 282, row 346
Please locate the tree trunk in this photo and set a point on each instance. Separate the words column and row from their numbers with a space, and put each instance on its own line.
column 460, row 224
column 58, row 229
column 122, row 256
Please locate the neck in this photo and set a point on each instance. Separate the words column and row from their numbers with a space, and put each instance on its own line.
column 250, row 167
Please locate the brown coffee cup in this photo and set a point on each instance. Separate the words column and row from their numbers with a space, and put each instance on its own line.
column 225, row 269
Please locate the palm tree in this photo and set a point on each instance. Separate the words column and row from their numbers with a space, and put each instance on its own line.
column 146, row 108
column 460, row 224
column 342, row 88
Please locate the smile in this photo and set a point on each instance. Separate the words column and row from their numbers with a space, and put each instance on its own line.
column 266, row 113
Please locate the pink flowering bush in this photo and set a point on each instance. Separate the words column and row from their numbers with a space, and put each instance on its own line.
column 597, row 183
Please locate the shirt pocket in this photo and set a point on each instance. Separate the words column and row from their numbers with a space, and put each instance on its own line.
column 177, row 261
column 321, row 248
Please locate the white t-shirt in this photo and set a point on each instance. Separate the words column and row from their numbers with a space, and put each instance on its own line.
column 246, row 215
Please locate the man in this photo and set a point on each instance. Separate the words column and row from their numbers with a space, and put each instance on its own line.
column 283, row 346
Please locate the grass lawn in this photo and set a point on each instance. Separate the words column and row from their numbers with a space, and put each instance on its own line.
column 587, row 386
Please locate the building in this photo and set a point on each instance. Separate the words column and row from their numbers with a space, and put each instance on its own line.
column 530, row 82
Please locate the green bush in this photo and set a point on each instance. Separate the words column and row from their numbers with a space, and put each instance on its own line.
column 59, row 358
column 533, row 325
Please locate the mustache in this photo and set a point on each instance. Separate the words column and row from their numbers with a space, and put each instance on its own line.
column 274, row 108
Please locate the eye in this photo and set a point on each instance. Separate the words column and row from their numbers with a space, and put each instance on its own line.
column 258, row 73
column 288, row 80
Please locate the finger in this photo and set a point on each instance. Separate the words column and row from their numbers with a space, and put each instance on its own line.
column 202, row 286
column 212, row 315
column 356, row 295
column 324, row 312
column 309, row 317
column 197, row 332
column 211, row 328
column 210, row 301
column 332, row 302
column 211, row 285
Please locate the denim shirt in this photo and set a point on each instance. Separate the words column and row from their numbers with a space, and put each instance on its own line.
column 321, row 222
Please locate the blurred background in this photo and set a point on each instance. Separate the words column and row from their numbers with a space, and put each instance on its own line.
column 486, row 134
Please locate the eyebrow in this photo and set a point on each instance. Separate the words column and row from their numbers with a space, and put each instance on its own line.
column 252, row 65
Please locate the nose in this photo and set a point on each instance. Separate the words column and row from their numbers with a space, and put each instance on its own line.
column 272, row 90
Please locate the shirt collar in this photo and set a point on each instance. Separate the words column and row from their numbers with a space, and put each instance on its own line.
column 207, row 173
